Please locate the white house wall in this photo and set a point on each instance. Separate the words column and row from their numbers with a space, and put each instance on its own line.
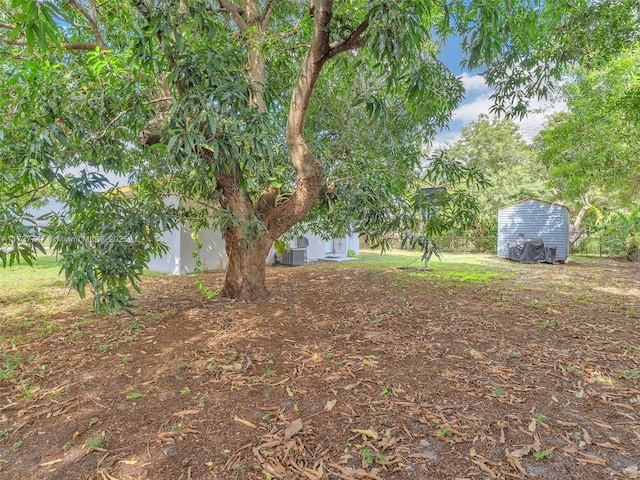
column 319, row 248
column 179, row 259
column 212, row 254
column 170, row 261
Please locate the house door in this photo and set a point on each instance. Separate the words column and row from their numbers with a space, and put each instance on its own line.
column 339, row 245
column 328, row 246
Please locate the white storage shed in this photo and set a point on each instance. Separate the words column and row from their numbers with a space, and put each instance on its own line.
column 534, row 219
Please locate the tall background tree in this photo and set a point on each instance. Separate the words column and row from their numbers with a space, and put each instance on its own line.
column 592, row 151
column 231, row 107
column 496, row 147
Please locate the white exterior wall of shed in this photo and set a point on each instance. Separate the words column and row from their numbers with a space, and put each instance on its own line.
column 534, row 218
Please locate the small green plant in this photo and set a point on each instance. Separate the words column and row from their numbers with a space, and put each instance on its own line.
column 205, row 291
column 540, row 418
column 548, row 453
column 239, row 468
column 11, row 363
column 497, row 391
column 269, row 373
column 547, row 324
column 185, row 391
column 96, row 442
column 66, row 446
column 352, row 254
column 575, row 370
column 212, row 365
column 198, row 399
column 176, row 427
column 367, row 455
column 445, row 432
column 134, row 395
column 27, row 390
column 127, row 359
column 4, row 434
column 628, row 374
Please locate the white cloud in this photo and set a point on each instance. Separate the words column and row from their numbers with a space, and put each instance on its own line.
column 470, row 111
column 444, row 140
column 540, row 112
column 480, row 103
column 473, row 83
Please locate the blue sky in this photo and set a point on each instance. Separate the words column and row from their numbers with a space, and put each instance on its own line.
column 477, row 100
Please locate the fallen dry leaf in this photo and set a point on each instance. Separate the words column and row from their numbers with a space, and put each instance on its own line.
column 292, row 428
column 366, row 433
column 243, row 421
column 515, row 463
column 592, row 459
column 52, row 462
column 330, row 404
column 187, row 412
column 521, row 452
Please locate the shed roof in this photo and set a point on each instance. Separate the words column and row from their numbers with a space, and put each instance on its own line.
column 535, row 200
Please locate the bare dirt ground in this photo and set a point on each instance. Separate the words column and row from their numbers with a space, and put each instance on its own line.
column 346, row 373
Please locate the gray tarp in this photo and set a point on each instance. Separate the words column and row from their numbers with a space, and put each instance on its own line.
column 531, row 250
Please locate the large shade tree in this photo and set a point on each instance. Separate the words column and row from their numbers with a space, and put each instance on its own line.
column 221, row 104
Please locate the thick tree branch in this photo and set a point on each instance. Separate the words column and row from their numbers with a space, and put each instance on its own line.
column 266, row 15
column 87, row 46
column 266, row 202
column 353, row 42
column 113, row 121
column 236, row 14
column 309, row 172
column 93, row 24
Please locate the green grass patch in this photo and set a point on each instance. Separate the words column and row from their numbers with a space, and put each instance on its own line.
column 8, row 365
column 478, row 268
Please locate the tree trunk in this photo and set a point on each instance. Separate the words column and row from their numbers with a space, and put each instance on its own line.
column 245, row 276
column 576, row 232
